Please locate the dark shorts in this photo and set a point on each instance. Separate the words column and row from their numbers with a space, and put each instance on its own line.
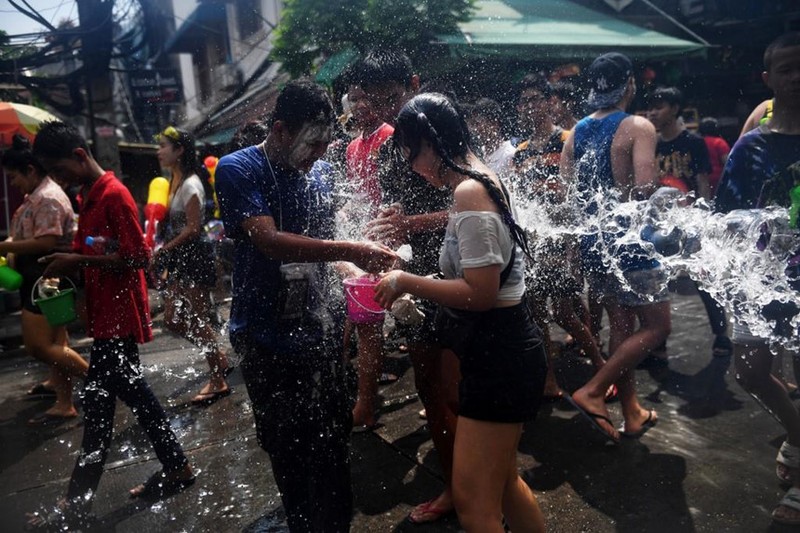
column 779, row 314
column 193, row 264
column 504, row 368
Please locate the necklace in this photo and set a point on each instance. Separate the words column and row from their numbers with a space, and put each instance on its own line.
column 263, row 147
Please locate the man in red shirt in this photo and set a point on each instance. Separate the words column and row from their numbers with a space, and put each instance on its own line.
column 118, row 318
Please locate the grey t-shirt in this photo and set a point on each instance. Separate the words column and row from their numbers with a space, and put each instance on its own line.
column 477, row 239
column 191, row 186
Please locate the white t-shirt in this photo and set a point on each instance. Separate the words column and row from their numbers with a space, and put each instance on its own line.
column 191, row 187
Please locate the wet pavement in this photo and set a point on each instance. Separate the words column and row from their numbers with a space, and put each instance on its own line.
column 707, row 466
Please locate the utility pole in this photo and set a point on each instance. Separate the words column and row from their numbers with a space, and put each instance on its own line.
column 97, row 28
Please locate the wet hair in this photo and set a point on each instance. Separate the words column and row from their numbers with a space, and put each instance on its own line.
column 537, row 82
column 787, row 40
column 380, row 67
column 58, row 140
column 20, row 156
column 669, row 95
column 300, row 102
column 185, row 140
column 434, row 118
column 709, row 126
column 251, row 133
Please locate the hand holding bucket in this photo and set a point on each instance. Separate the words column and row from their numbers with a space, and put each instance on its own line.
column 360, row 296
column 59, row 307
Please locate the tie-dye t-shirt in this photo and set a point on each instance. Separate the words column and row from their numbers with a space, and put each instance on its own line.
column 762, row 170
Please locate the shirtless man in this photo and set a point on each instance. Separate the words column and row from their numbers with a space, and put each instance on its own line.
column 611, row 150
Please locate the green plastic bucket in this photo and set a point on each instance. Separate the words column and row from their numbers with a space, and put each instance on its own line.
column 58, row 309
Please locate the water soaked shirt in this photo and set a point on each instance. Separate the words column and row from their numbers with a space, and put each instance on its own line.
column 191, row 187
column 362, row 165
column 593, row 139
column 762, row 169
column 298, row 203
column 475, row 239
column 116, row 300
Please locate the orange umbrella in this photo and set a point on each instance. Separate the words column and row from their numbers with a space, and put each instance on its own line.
column 22, row 119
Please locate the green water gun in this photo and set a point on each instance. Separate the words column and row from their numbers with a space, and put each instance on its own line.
column 794, row 208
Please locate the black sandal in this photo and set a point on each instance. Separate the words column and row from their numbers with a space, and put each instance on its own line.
column 161, row 485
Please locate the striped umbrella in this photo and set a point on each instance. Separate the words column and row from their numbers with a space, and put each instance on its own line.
column 22, row 119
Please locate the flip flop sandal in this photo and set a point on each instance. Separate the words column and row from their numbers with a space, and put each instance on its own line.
column 204, row 400
column 646, row 426
column 160, row 485
column 791, row 500
column 431, row 513
column 593, row 419
column 788, row 461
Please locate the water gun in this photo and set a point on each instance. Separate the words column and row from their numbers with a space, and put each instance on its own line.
column 156, row 208
column 10, row 279
column 210, row 162
column 794, row 208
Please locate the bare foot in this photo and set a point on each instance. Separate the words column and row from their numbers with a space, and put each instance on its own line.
column 362, row 416
column 64, row 412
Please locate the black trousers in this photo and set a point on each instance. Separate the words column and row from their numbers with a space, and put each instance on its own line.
column 115, row 371
column 303, row 421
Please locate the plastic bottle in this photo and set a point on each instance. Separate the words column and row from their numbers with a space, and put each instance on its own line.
column 101, row 245
column 10, row 279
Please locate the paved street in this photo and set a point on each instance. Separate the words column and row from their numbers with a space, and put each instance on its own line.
column 708, row 466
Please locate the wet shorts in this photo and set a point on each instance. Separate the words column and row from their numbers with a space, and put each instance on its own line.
column 503, row 368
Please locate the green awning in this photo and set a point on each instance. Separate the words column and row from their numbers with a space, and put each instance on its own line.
column 335, row 65
column 557, row 29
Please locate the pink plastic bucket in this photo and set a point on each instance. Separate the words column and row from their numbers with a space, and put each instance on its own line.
column 361, row 306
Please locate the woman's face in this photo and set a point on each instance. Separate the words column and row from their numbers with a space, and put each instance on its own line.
column 24, row 182
column 427, row 164
column 168, row 155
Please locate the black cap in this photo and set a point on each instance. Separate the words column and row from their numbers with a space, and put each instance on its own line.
column 606, row 78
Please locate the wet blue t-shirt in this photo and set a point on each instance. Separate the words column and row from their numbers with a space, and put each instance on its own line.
column 284, row 308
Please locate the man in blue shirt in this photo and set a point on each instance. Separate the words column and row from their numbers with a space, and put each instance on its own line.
column 763, row 169
column 276, row 206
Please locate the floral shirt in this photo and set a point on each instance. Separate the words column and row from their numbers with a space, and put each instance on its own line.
column 45, row 211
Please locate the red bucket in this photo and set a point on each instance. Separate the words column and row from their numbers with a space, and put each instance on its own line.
column 361, row 305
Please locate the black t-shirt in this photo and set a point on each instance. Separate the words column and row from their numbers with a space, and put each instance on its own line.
column 399, row 184
column 684, row 157
column 540, row 164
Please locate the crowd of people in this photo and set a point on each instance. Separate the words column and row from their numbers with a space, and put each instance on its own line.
column 441, row 176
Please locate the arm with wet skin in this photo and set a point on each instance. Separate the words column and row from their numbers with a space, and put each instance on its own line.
column 285, row 246
column 645, row 175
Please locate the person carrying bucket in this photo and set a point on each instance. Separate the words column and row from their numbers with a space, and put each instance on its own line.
column 42, row 223
column 118, row 318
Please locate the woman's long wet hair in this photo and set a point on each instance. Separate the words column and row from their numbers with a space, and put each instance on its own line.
column 434, row 118
column 20, row 156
